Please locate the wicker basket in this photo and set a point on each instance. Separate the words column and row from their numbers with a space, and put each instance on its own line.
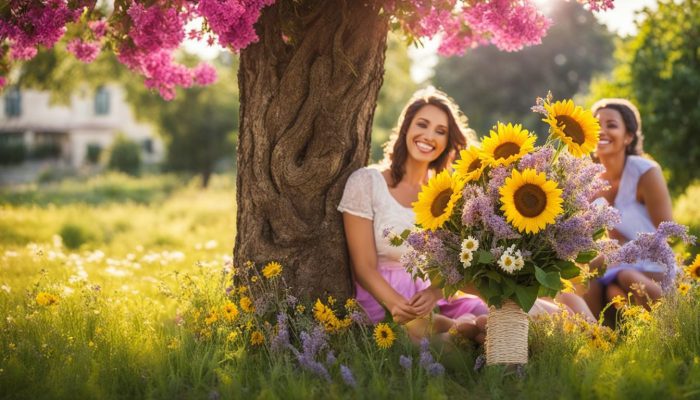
column 506, row 335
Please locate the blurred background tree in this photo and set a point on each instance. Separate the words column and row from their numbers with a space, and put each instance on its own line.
column 659, row 70
column 395, row 92
column 490, row 85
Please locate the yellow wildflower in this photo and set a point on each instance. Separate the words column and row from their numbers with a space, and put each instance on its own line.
column 211, row 318
column 247, row 304
column 300, row 308
column 257, row 338
column 46, row 299
column 384, row 336
column 242, row 289
column 618, row 301
column 229, row 311
column 331, row 301
column 272, row 270
column 254, row 279
column 174, row 344
column 232, row 336
column 683, row 288
column 351, row 304
column 328, row 319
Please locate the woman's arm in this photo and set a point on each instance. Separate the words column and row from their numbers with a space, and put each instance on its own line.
column 654, row 194
column 363, row 255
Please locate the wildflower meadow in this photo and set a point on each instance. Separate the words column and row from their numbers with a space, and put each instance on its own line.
column 134, row 295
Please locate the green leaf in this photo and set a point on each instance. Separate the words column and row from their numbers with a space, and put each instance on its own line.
column 525, row 296
column 484, row 257
column 568, row 269
column 586, row 256
column 551, row 280
column 510, row 287
column 494, row 276
column 405, row 233
column 599, row 234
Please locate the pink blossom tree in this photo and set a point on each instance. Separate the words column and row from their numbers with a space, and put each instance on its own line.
column 309, row 77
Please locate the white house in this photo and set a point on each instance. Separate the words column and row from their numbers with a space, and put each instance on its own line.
column 63, row 133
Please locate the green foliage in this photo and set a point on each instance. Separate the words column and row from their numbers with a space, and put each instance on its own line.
column 103, row 189
column 75, row 235
column 12, row 152
column 125, row 156
column 395, row 92
column 199, row 125
column 490, row 85
column 686, row 211
column 659, row 70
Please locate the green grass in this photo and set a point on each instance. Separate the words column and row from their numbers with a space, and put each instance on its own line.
column 137, row 288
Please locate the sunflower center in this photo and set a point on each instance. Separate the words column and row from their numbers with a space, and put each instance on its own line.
column 440, row 202
column 572, row 129
column 530, row 200
column 384, row 334
column 476, row 164
column 506, row 150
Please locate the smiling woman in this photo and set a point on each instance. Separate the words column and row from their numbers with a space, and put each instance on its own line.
column 377, row 199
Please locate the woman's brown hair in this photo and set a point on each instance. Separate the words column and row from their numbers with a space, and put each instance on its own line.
column 396, row 150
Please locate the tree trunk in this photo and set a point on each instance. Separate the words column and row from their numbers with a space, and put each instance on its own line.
column 305, row 126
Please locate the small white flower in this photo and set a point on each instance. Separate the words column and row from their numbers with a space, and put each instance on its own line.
column 470, row 244
column 519, row 263
column 466, row 258
column 507, row 263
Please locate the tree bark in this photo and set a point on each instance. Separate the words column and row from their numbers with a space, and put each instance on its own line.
column 307, row 103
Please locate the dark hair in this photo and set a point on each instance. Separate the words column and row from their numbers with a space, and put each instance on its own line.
column 631, row 119
column 396, row 151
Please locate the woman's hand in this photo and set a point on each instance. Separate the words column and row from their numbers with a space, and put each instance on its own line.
column 403, row 312
column 425, row 300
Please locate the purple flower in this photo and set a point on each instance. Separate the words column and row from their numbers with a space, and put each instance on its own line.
column 406, row 362
column 435, row 369
column 330, row 358
column 539, row 160
column 281, row 340
column 204, row 74
column 346, row 374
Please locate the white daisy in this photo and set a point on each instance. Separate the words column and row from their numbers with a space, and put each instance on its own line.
column 470, row 244
column 466, row 257
column 507, row 263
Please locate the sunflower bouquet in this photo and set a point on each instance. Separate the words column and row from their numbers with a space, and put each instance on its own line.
column 513, row 219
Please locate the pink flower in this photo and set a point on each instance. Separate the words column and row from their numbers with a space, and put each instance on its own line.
column 159, row 70
column 154, row 28
column 98, row 28
column 233, row 20
column 18, row 52
column 204, row 74
column 3, row 82
column 598, row 5
column 84, row 51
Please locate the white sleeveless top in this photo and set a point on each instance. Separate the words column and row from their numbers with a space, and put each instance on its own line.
column 367, row 195
column 634, row 215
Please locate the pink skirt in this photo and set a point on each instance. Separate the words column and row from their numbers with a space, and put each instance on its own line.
column 402, row 282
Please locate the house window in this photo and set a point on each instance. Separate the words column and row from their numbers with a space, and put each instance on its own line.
column 102, row 101
column 13, row 102
column 147, row 145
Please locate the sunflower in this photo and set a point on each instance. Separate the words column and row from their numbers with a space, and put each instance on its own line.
column 576, row 127
column 437, row 199
column 469, row 166
column 506, row 145
column 530, row 201
column 693, row 269
column 272, row 269
column 46, row 299
column 384, row 336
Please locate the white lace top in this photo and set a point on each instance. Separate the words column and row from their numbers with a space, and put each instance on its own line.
column 367, row 195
